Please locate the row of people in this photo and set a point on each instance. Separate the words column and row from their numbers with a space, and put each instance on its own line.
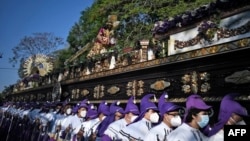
column 149, row 122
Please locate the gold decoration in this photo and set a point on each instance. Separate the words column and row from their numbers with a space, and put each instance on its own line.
column 140, row 83
column 112, row 18
column 205, row 87
column 243, row 42
column 39, row 62
column 186, row 88
column 84, row 92
column 73, row 93
column 99, row 91
column 204, row 76
column 113, row 90
column 186, row 79
column 191, row 85
column 135, row 88
column 160, row 85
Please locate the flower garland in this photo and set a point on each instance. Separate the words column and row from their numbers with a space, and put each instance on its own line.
column 207, row 30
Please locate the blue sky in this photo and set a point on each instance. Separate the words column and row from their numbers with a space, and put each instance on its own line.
column 19, row 18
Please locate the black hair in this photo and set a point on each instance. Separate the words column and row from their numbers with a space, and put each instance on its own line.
column 192, row 112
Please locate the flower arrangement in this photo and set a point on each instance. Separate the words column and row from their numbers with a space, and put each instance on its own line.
column 206, row 25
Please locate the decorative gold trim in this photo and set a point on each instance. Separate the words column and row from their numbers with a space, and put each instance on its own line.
column 84, row 92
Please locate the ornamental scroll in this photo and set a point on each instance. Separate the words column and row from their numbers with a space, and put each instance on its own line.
column 208, row 33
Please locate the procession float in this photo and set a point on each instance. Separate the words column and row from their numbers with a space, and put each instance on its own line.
column 200, row 53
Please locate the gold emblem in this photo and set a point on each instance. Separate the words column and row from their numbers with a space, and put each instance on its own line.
column 113, row 90
column 160, row 85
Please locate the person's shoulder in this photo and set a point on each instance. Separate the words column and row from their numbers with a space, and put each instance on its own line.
column 177, row 135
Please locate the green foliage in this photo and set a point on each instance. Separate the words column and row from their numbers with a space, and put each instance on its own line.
column 7, row 91
column 60, row 57
column 136, row 17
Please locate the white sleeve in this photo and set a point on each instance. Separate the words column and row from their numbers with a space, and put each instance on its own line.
column 111, row 132
column 65, row 122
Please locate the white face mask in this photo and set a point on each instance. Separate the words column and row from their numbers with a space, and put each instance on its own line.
column 175, row 121
column 68, row 111
column 133, row 118
column 154, row 118
column 103, row 118
column 242, row 122
column 83, row 113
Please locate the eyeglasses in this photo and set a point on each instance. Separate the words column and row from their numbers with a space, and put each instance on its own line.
column 174, row 114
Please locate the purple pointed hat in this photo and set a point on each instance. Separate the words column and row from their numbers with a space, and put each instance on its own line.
column 66, row 102
column 75, row 108
column 235, row 107
column 47, row 104
column 227, row 107
column 114, row 107
column 169, row 107
column 103, row 108
column 83, row 104
column 132, row 107
column 195, row 101
column 162, row 99
column 92, row 112
column 145, row 105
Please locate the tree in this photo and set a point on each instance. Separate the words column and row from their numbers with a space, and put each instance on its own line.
column 38, row 43
column 137, row 19
column 60, row 57
column 6, row 92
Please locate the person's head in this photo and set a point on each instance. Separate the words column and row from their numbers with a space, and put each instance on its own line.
column 82, row 109
column 116, row 110
column 58, row 108
column 231, row 111
column 67, row 109
column 118, row 115
column 197, row 118
column 103, row 110
column 92, row 112
column 130, row 117
column 197, row 112
column 81, row 112
column 131, row 110
column 152, row 115
column 235, row 120
column 171, row 114
column 148, row 109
